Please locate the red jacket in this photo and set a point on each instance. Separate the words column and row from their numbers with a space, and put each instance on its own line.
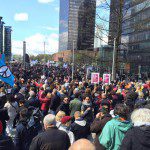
column 45, row 102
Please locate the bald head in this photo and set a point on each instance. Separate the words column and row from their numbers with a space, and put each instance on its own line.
column 82, row 144
column 77, row 114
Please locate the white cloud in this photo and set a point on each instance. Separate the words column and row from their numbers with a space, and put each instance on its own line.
column 45, row 1
column 21, row 17
column 57, row 9
column 35, row 44
column 50, row 28
column 99, row 2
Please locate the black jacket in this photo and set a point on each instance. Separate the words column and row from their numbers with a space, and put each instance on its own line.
column 51, row 139
column 23, row 135
column 64, row 107
column 97, row 127
column 137, row 138
column 6, row 143
column 80, row 129
column 55, row 102
column 3, row 118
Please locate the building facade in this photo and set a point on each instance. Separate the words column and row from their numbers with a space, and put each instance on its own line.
column 135, row 34
column 7, row 42
column 1, row 35
column 77, row 24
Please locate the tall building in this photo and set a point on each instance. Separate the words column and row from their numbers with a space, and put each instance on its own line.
column 135, row 34
column 77, row 24
column 7, row 42
column 1, row 35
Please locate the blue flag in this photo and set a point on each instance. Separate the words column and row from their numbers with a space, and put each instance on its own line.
column 5, row 74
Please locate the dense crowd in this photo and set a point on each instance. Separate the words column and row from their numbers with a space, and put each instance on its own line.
column 47, row 110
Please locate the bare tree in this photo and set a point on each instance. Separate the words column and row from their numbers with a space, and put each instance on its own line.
column 115, row 25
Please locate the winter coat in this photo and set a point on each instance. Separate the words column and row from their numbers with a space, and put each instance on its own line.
column 12, row 113
column 12, row 109
column 45, row 102
column 55, row 102
column 64, row 107
column 51, row 139
column 113, row 133
column 33, row 101
column 87, row 114
column 6, row 143
column 23, row 136
column 70, row 133
column 97, row 127
column 75, row 105
column 80, row 129
column 137, row 138
column 3, row 118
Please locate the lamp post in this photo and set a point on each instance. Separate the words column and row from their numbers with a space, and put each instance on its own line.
column 73, row 62
column 24, row 53
column 44, row 52
column 114, row 61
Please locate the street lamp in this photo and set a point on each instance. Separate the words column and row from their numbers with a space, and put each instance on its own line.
column 73, row 61
column 114, row 61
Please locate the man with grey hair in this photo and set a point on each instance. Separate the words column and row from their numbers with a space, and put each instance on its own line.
column 51, row 138
column 138, row 137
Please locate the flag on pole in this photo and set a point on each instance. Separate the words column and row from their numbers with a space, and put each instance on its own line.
column 5, row 74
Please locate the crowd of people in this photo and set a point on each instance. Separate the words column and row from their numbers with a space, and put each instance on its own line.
column 47, row 110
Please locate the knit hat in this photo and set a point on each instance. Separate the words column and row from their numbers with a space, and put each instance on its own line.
column 65, row 119
column 1, row 128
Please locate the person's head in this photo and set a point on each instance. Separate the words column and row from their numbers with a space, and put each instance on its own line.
column 77, row 115
column 86, row 98
column 54, row 91
column 66, row 99
column 1, row 128
column 82, row 144
column 88, row 91
column 104, row 110
column 2, row 89
column 32, row 94
column 103, row 96
column 49, row 95
column 76, row 93
column 121, row 110
column 21, row 102
column 10, row 98
column 24, row 113
column 60, row 115
column 66, row 121
column 49, row 121
column 141, row 117
column 140, row 95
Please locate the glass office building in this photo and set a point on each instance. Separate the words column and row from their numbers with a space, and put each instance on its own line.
column 7, row 42
column 77, row 24
column 135, row 34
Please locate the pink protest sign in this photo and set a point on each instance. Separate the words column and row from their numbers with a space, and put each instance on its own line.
column 95, row 78
column 106, row 78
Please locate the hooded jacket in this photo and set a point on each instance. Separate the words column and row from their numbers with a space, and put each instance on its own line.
column 87, row 114
column 97, row 127
column 70, row 133
column 24, row 135
column 80, row 129
column 6, row 143
column 137, row 138
column 113, row 133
